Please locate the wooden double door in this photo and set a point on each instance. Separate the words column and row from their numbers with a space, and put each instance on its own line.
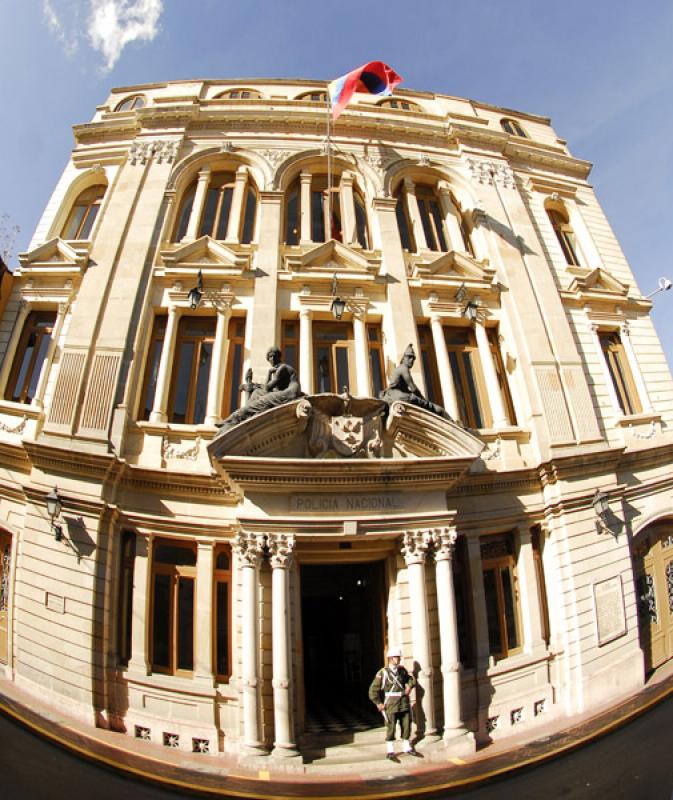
column 654, row 590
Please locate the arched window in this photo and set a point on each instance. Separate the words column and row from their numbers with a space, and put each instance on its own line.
column 313, row 97
column 83, row 214
column 132, row 103
column 215, row 218
column 420, row 202
column 401, row 105
column 565, row 235
column 512, row 127
column 240, row 94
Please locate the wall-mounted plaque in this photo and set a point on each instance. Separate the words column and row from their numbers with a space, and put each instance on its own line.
column 55, row 602
column 610, row 613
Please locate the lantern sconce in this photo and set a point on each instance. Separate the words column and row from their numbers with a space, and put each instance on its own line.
column 338, row 305
column 601, row 504
column 54, row 507
column 196, row 292
column 461, row 293
column 471, row 310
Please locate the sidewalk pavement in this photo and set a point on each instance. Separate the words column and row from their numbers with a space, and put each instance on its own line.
column 224, row 776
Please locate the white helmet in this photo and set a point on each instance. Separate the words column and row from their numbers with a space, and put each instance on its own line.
column 394, row 651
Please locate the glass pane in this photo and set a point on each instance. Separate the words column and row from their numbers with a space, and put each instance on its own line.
column 290, row 355
column 209, row 212
column 222, row 561
column 89, row 221
column 186, row 623
column 292, row 222
column 202, row 378
column 222, row 633
column 361, row 222
column 335, row 228
column 126, row 614
column 492, row 613
column 510, row 617
column 402, row 225
column 430, row 239
column 25, row 364
column 324, row 380
column 427, row 375
column 236, row 366
column 439, row 227
column 161, row 621
column 45, row 339
column 165, row 553
column 342, row 377
column 153, row 368
column 472, row 389
column 249, row 217
column 317, row 217
column 225, row 210
column 185, row 213
column 458, row 385
column 185, row 358
column 74, row 222
column 377, row 373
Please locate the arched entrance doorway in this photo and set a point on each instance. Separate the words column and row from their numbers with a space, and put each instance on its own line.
column 653, row 566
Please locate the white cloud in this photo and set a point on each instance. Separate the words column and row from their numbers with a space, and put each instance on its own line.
column 113, row 24
column 110, row 24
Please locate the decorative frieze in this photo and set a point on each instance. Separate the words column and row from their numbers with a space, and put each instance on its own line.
column 190, row 453
column 18, row 428
column 491, row 173
column 141, row 151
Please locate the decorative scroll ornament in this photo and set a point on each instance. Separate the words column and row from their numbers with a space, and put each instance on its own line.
column 649, row 435
column 169, row 450
column 281, row 549
column 415, row 546
column 444, row 541
column 491, row 173
column 249, row 548
column 647, row 601
column 5, row 563
column 18, row 428
column 275, row 157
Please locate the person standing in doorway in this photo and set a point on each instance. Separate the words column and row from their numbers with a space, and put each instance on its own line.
column 389, row 691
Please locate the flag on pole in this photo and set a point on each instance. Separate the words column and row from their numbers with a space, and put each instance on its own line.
column 372, row 78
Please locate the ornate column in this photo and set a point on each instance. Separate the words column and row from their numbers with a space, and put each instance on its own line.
column 305, row 351
column 305, row 208
column 641, row 387
column 281, row 548
column 167, row 354
column 493, row 390
column 21, row 317
column 197, row 205
column 216, row 377
column 444, row 367
column 444, row 540
column 248, row 548
column 140, row 657
column 349, row 233
column 451, row 216
column 530, row 594
column 414, row 215
column 414, row 549
column 203, row 666
column 234, row 224
column 362, row 370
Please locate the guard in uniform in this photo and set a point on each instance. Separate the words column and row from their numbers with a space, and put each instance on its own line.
column 389, row 691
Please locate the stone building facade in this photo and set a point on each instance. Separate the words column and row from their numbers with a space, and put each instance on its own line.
column 225, row 594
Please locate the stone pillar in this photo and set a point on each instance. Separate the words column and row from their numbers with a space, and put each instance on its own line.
column 641, row 387
column 444, row 541
column 197, row 205
column 305, row 351
column 203, row 667
column 234, row 224
column 305, row 208
column 163, row 376
column 414, row 215
column 140, row 656
column 451, row 216
column 349, row 232
column 493, row 391
column 362, row 370
column 444, row 367
column 533, row 639
column 414, row 548
column 21, row 317
column 216, row 377
column 248, row 548
column 281, row 549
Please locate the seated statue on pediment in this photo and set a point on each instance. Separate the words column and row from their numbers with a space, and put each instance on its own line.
column 402, row 387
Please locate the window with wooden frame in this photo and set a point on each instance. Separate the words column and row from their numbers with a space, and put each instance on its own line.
column 620, row 372
column 536, row 542
column 240, row 94
column 468, row 378
column 173, row 606
column 222, row 615
column 83, row 214
column 512, row 127
column 463, row 595
column 125, row 596
column 231, row 398
column 216, row 210
column 131, row 103
column 333, row 362
column 501, row 594
column 325, row 216
column 403, row 222
column 30, row 356
column 154, row 351
column 314, row 97
column 401, row 105
column 492, row 334
column 289, row 342
column 431, row 218
column 565, row 235
column 433, row 389
column 361, row 229
column 375, row 350
column 191, row 370
column 292, row 214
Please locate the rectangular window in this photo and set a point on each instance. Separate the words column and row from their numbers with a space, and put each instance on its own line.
column 234, row 373
column 433, row 390
column 152, row 366
column 125, row 596
column 536, row 541
column 30, row 356
column 506, row 395
column 620, row 372
column 173, row 593
column 317, row 216
column 501, row 595
column 222, row 618
column 333, row 356
column 431, row 219
column 292, row 217
column 376, row 367
column 463, row 595
column 191, row 370
column 289, row 343
column 403, row 223
column 467, row 377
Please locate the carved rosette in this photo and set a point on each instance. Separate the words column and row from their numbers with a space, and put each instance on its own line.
column 249, row 548
column 444, row 542
column 415, row 546
column 281, row 550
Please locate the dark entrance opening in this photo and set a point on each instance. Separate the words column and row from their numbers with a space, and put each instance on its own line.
column 342, row 607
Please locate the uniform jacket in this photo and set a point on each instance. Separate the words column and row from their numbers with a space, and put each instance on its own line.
column 389, row 686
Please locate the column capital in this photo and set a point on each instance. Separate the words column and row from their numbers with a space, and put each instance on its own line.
column 281, row 549
column 305, row 177
column 444, row 542
column 204, row 174
column 242, row 173
column 409, row 185
column 415, row 546
column 249, row 548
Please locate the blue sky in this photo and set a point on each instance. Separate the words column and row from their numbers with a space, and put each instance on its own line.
column 603, row 72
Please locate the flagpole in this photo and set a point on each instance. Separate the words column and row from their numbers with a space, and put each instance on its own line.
column 328, row 233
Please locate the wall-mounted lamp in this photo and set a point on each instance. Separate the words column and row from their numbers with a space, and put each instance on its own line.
column 471, row 310
column 601, row 504
column 338, row 305
column 54, row 506
column 196, row 293
column 664, row 285
column 461, row 292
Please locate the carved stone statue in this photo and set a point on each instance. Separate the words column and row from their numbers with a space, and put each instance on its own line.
column 402, row 386
column 282, row 386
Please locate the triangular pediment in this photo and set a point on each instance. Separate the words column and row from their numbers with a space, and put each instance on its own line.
column 56, row 257
column 333, row 256
column 454, row 265
column 598, row 281
column 205, row 253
